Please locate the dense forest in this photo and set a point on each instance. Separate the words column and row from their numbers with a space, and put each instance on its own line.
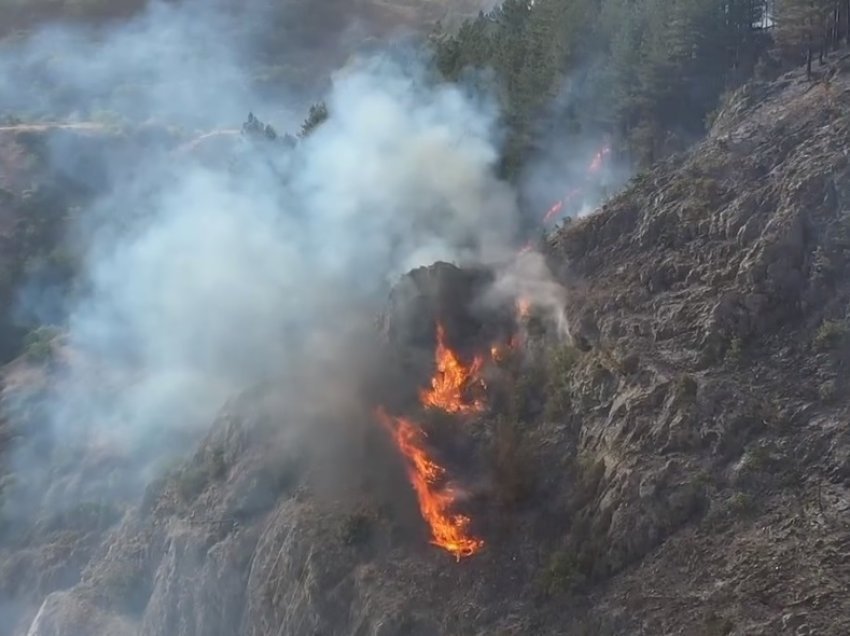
column 648, row 72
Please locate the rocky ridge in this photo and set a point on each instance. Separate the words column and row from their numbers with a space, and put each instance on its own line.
column 681, row 467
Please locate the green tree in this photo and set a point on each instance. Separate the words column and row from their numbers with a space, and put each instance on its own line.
column 316, row 117
column 804, row 28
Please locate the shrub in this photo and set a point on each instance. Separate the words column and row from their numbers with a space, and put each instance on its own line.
column 830, row 335
column 38, row 344
column 316, row 117
column 828, row 391
column 357, row 528
column 742, row 504
column 686, row 387
column 716, row 625
column 512, row 465
column 528, row 394
column 558, row 395
column 561, row 574
column 735, row 351
column 759, row 458
column 563, row 360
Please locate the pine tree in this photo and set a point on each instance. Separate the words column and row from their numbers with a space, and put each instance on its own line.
column 802, row 28
column 315, row 118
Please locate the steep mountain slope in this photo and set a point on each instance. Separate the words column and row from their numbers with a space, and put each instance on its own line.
column 679, row 467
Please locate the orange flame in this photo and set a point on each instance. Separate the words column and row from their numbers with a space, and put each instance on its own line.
column 556, row 209
column 595, row 166
column 499, row 351
column 449, row 530
column 452, row 380
column 552, row 212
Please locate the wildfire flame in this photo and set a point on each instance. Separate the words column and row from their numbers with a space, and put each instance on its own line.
column 449, row 385
column 449, row 531
column 598, row 159
column 500, row 351
column 552, row 212
column 593, row 167
column 452, row 380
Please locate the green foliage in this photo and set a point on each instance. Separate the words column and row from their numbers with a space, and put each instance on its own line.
column 512, row 464
column 735, row 351
column 558, row 392
column 742, row 504
column 722, row 513
column 38, row 344
column 828, row 391
column 649, row 71
column 316, row 117
column 561, row 574
column 806, row 28
column 830, row 335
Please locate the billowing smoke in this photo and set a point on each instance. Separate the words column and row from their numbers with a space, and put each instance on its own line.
column 176, row 65
column 575, row 166
column 527, row 278
column 202, row 278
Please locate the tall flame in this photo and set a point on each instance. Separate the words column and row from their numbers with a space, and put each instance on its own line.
column 452, row 380
column 449, row 530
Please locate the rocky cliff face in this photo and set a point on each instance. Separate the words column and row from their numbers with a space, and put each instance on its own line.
column 681, row 467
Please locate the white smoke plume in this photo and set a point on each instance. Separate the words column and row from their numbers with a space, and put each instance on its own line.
column 204, row 278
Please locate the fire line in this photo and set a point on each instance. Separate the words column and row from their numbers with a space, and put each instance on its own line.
column 449, row 530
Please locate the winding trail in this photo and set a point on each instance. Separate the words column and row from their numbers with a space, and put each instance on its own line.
column 17, row 128
column 186, row 146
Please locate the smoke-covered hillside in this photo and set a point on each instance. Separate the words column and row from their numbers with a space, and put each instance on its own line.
column 422, row 359
column 292, row 45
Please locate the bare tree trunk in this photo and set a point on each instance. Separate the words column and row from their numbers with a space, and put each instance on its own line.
column 836, row 16
column 847, row 21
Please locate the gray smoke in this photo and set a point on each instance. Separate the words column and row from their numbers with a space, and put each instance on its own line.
column 203, row 278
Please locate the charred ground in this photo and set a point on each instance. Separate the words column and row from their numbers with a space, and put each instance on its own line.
column 680, row 466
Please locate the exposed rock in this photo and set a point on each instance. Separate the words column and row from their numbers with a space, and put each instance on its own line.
column 680, row 468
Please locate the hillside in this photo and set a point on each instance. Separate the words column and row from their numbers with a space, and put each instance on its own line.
column 291, row 44
column 677, row 465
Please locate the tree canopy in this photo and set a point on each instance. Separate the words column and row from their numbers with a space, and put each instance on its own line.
column 647, row 71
